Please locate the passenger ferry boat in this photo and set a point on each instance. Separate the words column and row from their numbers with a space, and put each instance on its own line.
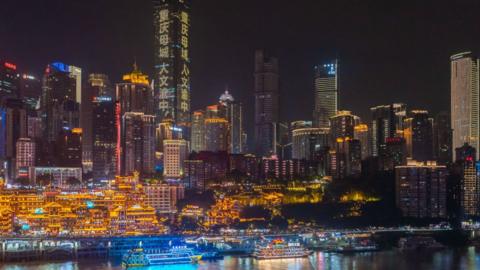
column 175, row 255
column 279, row 249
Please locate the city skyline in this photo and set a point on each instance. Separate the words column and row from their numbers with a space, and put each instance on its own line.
column 420, row 68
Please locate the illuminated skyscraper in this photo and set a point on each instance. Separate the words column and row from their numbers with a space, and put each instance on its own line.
column 216, row 134
column 326, row 93
column 175, row 153
column 59, row 105
column 137, row 144
column 30, row 91
column 103, row 138
column 172, row 61
column 443, row 138
column 306, row 142
column 98, row 86
column 465, row 100
column 421, row 189
column 360, row 133
column 68, row 148
column 198, row 131
column 25, row 156
column 469, row 182
column 9, row 81
column 234, row 114
column 387, row 122
column 266, row 80
column 134, row 94
column 342, row 124
column 418, row 134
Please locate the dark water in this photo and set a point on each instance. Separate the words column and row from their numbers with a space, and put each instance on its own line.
column 467, row 258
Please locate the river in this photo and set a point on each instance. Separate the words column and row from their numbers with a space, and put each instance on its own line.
column 465, row 258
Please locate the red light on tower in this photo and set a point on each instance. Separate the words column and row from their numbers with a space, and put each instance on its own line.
column 10, row 65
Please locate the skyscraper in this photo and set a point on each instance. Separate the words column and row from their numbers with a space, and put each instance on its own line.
column 234, row 114
column 266, row 87
column 25, row 156
column 98, row 86
column 361, row 133
column 137, row 144
column 383, row 126
column 134, row 94
column 103, row 138
column 59, row 106
column 30, row 91
column 420, row 189
column 307, row 141
column 443, row 138
column 326, row 93
column 9, row 82
column 172, row 61
column 465, row 100
column 343, row 124
column 175, row 153
column 216, row 134
column 198, row 131
column 418, row 134
column 469, row 182
column 68, row 148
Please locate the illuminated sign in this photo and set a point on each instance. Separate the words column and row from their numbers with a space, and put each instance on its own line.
column 28, row 77
column 90, row 204
column 10, row 66
column 102, row 99
column 61, row 67
column 331, row 69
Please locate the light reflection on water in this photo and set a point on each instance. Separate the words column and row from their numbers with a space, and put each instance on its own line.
column 467, row 259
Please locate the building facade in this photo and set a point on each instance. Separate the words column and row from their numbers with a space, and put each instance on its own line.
column 266, row 88
column 172, row 62
column 326, row 93
column 465, row 100
column 421, row 189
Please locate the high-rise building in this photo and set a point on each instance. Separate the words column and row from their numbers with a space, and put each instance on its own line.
column 360, row 132
column 348, row 158
column 175, row 153
column 9, row 81
column 98, row 87
column 469, row 183
column 216, row 134
column 443, row 138
column 13, row 126
column 25, row 156
column 59, row 106
column 137, row 144
column 383, row 126
column 326, row 93
column 418, row 134
column 342, row 125
column 69, row 148
column 163, row 197
column 234, row 114
column 465, row 100
column 172, row 62
column 306, row 142
column 30, row 91
column 266, row 87
column 393, row 154
column 103, row 138
column 198, row 131
column 134, row 94
column 421, row 189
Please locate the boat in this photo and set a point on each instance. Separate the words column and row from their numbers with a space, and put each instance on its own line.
column 418, row 243
column 279, row 249
column 138, row 257
column 211, row 256
column 352, row 246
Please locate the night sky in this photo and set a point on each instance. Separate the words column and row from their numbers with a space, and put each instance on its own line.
column 387, row 53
